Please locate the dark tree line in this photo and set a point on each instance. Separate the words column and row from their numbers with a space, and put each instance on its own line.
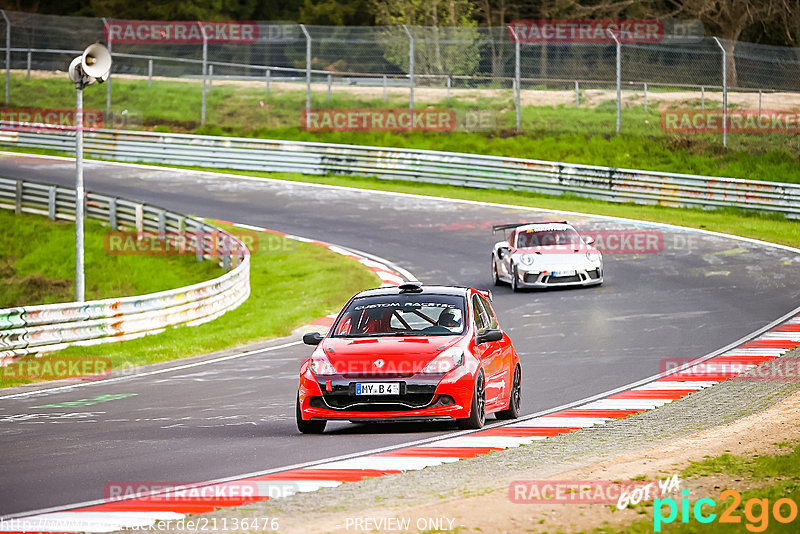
column 763, row 21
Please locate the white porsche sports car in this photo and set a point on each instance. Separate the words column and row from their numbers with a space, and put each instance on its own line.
column 545, row 254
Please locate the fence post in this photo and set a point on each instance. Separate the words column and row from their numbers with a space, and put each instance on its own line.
column 51, row 202
column 149, row 72
column 204, row 74
column 29, row 65
column 210, row 77
column 448, row 87
column 577, row 95
column 702, row 98
column 267, row 76
column 330, row 80
column 385, row 90
column 645, row 97
column 759, row 102
column 724, row 93
column 108, row 81
column 619, row 80
column 308, row 75
column 516, row 83
column 8, row 53
column 410, row 73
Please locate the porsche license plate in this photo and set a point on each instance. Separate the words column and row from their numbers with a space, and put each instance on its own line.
column 377, row 388
column 564, row 273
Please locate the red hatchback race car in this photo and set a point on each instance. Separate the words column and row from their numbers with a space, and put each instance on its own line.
column 411, row 353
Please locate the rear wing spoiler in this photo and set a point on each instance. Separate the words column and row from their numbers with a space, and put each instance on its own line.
column 498, row 227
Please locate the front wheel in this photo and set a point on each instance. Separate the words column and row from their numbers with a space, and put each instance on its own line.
column 514, row 279
column 512, row 412
column 314, row 426
column 477, row 412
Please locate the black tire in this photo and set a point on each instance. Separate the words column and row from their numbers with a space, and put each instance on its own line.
column 477, row 412
column 495, row 278
column 314, row 426
column 512, row 412
column 514, row 279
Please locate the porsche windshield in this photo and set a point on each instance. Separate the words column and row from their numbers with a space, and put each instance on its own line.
column 402, row 315
column 566, row 237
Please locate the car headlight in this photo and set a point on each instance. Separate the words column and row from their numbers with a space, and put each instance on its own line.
column 526, row 259
column 321, row 365
column 445, row 362
column 594, row 257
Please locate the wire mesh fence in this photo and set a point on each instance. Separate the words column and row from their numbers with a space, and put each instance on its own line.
column 284, row 70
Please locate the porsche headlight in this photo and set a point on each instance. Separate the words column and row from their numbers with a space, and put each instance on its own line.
column 445, row 362
column 526, row 259
column 594, row 257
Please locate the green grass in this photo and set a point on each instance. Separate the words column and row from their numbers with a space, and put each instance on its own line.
column 779, row 478
column 37, row 264
column 558, row 133
column 291, row 284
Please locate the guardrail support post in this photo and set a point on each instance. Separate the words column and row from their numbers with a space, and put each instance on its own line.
column 149, row 73
column 308, row 75
column 138, row 212
column 51, row 202
column 162, row 225
column 112, row 213
column 8, row 53
column 18, row 198
column 199, row 242
column 724, row 93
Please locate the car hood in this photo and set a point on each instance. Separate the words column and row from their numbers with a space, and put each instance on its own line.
column 400, row 355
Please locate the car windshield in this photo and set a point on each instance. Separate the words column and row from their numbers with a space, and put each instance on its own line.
column 412, row 314
column 548, row 237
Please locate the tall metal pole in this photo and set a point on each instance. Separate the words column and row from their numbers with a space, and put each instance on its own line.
column 517, row 85
column 724, row 93
column 410, row 72
column 108, row 81
column 308, row 75
column 619, row 80
column 205, row 61
column 8, row 53
column 79, row 200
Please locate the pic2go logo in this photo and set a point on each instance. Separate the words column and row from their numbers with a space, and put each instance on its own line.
column 756, row 511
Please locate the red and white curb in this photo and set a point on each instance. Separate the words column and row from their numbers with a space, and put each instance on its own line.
column 767, row 345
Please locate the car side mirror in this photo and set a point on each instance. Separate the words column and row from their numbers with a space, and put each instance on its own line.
column 588, row 240
column 312, row 338
column 488, row 336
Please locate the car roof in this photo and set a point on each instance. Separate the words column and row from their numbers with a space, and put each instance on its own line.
column 425, row 290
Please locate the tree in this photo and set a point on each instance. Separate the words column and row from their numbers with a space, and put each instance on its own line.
column 446, row 39
column 729, row 18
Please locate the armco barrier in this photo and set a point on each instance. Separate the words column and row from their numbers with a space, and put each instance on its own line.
column 33, row 329
column 617, row 185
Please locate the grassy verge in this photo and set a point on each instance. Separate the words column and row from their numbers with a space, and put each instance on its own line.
column 45, row 272
column 771, row 477
column 291, row 283
column 558, row 133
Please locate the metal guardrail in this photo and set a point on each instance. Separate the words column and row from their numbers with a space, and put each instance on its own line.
column 605, row 183
column 34, row 329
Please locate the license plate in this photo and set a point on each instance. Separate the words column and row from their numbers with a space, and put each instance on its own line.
column 378, row 388
column 564, row 273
